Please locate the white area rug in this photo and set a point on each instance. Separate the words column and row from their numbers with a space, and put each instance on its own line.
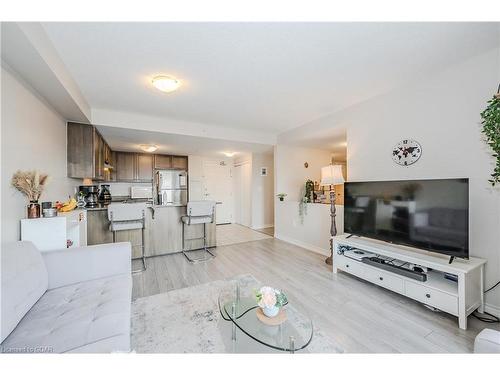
column 188, row 321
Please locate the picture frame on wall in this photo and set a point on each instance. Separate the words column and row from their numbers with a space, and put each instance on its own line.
column 263, row 171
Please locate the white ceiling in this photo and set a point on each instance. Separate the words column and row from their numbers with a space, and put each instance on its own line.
column 121, row 139
column 269, row 76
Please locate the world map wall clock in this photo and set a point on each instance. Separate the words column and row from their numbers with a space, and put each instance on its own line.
column 406, row 152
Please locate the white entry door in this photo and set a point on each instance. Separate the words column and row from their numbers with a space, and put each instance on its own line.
column 218, row 186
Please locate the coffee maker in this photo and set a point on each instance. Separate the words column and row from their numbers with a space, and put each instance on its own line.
column 105, row 195
column 90, row 193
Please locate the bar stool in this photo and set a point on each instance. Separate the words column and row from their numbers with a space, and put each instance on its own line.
column 128, row 216
column 198, row 212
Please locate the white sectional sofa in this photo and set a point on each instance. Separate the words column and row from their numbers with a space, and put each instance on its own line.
column 71, row 300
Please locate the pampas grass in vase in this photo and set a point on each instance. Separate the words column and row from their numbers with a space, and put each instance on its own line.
column 31, row 184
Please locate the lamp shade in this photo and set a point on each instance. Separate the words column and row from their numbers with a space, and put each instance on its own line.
column 332, row 175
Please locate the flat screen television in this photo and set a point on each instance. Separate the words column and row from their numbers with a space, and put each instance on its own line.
column 428, row 214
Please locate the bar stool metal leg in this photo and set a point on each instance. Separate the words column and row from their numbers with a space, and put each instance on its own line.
column 143, row 245
column 196, row 260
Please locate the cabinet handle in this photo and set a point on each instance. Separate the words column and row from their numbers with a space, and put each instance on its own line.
column 152, row 213
column 381, row 278
column 428, row 295
column 347, row 266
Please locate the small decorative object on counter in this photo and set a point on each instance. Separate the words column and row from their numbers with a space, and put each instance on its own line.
column 281, row 196
column 49, row 212
column 67, row 206
column 270, row 300
column 33, row 210
column 31, row 184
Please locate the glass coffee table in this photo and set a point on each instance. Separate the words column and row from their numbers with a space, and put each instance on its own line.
column 238, row 305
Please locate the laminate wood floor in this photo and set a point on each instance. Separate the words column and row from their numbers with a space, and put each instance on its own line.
column 358, row 316
column 229, row 234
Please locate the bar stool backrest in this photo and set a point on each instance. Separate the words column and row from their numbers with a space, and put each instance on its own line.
column 201, row 208
column 126, row 211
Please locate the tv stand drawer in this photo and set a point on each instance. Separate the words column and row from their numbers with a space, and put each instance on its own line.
column 350, row 266
column 384, row 279
column 441, row 300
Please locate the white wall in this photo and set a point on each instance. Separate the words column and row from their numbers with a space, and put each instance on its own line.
column 290, row 176
column 443, row 114
column 33, row 137
column 290, row 173
column 262, row 191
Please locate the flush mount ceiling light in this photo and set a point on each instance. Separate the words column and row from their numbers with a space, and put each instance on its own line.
column 149, row 148
column 229, row 154
column 166, row 83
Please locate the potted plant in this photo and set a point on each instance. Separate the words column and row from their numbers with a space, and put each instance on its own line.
column 491, row 128
column 31, row 184
column 281, row 196
column 270, row 300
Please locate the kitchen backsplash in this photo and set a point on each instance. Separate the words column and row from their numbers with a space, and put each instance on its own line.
column 122, row 189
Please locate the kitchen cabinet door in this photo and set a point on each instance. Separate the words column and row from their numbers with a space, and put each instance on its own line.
column 166, row 230
column 144, row 167
column 125, row 166
column 98, row 227
column 163, row 162
column 80, row 150
column 180, row 162
column 98, row 156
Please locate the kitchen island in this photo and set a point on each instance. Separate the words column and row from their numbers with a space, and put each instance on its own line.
column 162, row 234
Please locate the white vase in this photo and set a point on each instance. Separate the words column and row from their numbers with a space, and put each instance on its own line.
column 271, row 312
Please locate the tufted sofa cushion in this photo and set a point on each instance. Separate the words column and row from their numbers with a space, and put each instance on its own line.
column 24, row 280
column 92, row 316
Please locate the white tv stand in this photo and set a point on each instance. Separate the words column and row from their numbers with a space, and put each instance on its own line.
column 457, row 298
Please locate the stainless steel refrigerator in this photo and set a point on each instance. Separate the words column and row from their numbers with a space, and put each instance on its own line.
column 171, row 187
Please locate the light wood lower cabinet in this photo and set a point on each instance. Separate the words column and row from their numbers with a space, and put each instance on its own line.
column 98, row 227
column 166, row 232
column 162, row 233
column 98, row 232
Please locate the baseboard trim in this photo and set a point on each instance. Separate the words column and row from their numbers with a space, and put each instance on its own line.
column 494, row 310
column 304, row 245
column 265, row 226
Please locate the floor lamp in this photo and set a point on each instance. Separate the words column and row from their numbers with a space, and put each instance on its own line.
column 332, row 175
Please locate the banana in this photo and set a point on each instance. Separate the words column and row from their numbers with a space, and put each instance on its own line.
column 68, row 206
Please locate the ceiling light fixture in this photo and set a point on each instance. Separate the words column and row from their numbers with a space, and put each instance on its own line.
column 149, row 148
column 166, row 83
column 229, row 154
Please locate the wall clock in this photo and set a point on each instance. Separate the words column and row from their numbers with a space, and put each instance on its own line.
column 406, row 152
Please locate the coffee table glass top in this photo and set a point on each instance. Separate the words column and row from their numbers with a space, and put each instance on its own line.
column 239, row 306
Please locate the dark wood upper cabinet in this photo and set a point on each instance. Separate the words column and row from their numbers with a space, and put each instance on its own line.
column 133, row 167
column 144, row 171
column 163, row 161
column 180, row 162
column 85, row 152
column 89, row 156
column 125, row 166
column 98, row 156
